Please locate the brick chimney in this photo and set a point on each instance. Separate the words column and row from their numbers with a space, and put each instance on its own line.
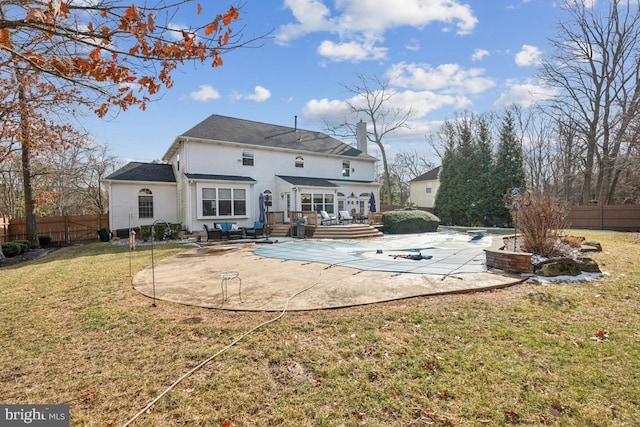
column 361, row 136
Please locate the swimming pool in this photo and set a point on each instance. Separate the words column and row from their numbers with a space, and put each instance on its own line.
column 442, row 253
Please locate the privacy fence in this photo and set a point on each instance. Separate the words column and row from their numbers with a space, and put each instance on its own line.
column 605, row 217
column 84, row 228
column 61, row 229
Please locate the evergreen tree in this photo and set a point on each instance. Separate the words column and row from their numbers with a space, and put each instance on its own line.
column 509, row 166
column 447, row 196
column 466, row 170
column 466, row 173
column 484, row 173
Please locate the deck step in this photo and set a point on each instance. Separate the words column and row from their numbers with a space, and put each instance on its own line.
column 346, row 231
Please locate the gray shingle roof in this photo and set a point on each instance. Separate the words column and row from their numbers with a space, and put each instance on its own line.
column 307, row 181
column 228, row 129
column 212, row 177
column 432, row 175
column 150, row 172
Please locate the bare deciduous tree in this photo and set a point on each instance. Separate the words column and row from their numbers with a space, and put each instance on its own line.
column 373, row 100
column 595, row 65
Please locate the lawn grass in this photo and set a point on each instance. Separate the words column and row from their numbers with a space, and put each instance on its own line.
column 74, row 331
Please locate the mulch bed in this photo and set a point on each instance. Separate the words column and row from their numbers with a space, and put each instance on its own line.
column 30, row 255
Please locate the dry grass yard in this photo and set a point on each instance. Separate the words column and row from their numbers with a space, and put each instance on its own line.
column 74, row 331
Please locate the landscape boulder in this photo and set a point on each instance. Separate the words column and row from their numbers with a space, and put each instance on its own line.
column 591, row 246
column 566, row 267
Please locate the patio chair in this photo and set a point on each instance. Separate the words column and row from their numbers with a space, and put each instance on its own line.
column 326, row 219
column 213, row 233
column 257, row 230
column 345, row 217
column 229, row 230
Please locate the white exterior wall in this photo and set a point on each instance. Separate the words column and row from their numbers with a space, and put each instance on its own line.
column 123, row 210
column 209, row 158
column 418, row 193
column 179, row 162
column 226, row 159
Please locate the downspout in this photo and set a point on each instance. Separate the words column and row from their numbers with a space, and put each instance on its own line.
column 110, row 206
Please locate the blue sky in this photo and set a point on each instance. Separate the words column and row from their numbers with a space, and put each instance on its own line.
column 440, row 56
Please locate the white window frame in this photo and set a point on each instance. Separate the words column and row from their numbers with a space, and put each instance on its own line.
column 248, row 158
column 234, row 188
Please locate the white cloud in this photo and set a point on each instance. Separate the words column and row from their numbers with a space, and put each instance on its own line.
column 381, row 15
column 353, row 21
column 205, row 93
column 175, row 31
column 448, row 78
column 319, row 110
column 259, row 94
column 311, row 16
column 479, row 54
column 351, row 51
column 528, row 55
column 413, row 45
column 420, row 102
column 524, row 94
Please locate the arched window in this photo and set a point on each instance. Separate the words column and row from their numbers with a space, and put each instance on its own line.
column 145, row 203
column 299, row 162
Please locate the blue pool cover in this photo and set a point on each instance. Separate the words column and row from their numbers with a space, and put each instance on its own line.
column 442, row 253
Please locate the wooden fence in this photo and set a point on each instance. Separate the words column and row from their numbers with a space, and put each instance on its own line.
column 4, row 229
column 592, row 217
column 605, row 217
column 61, row 229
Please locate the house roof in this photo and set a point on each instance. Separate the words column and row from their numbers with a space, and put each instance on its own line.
column 432, row 175
column 232, row 130
column 307, row 181
column 148, row 172
column 203, row 176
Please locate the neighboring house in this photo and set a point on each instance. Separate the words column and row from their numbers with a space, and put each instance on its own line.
column 217, row 170
column 423, row 189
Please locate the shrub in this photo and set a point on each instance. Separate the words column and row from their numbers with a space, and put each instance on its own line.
column 159, row 231
column 540, row 221
column 44, row 241
column 24, row 245
column 11, row 249
column 409, row 221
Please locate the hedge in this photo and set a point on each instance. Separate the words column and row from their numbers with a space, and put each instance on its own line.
column 408, row 221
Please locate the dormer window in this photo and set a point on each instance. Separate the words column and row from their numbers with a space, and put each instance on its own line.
column 299, row 162
column 346, row 168
column 247, row 158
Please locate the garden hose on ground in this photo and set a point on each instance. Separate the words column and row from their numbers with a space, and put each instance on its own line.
column 233, row 343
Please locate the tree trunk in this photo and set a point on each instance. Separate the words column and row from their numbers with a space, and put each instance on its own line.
column 29, row 205
column 387, row 175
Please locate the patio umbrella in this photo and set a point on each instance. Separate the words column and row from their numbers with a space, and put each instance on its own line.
column 261, row 204
column 372, row 202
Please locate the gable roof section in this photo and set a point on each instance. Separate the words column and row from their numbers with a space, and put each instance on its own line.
column 147, row 172
column 432, row 175
column 210, row 177
column 307, row 181
column 228, row 129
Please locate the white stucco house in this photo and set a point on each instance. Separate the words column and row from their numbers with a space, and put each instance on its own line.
column 217, row 170
column 423, row 189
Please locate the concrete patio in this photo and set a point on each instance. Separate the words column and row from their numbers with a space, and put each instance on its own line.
column 271, row 284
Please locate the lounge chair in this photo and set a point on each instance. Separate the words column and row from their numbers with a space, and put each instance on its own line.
column 257, row 230
column 326, row 219
column 345, row 217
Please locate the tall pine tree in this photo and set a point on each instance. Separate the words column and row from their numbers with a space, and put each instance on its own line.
column 509, row 169
column 466, row 171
